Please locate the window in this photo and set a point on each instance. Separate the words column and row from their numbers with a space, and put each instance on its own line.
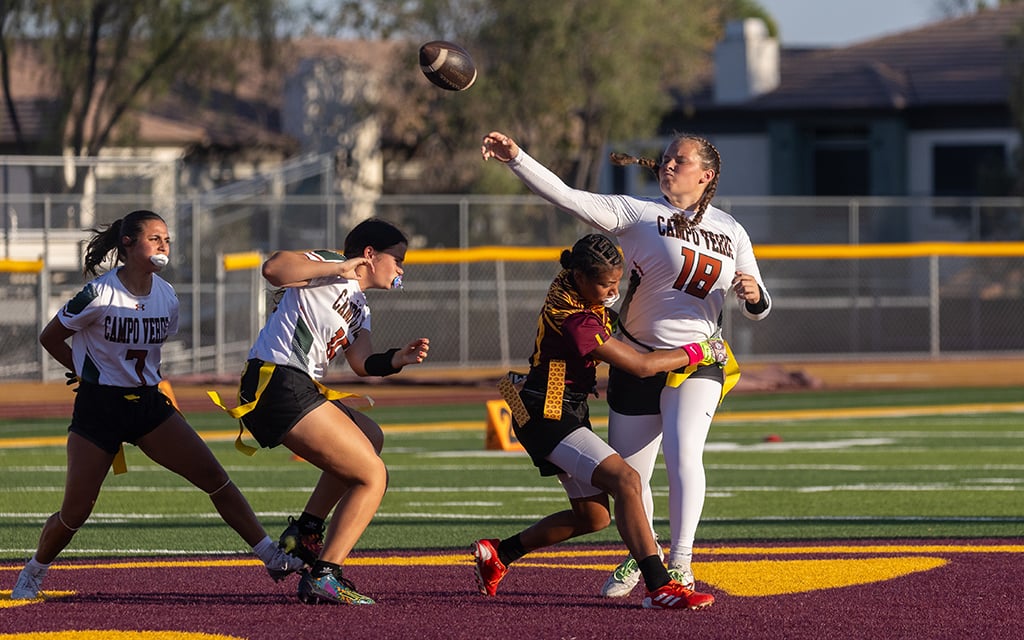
column 970, row 170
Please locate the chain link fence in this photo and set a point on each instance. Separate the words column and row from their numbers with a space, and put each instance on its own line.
column 477, row 297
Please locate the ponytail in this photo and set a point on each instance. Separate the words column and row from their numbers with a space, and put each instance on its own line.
column 104, row 241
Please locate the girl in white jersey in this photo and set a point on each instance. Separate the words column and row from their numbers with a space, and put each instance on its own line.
column 323, row 314
column 117, row 325
column 684, row 257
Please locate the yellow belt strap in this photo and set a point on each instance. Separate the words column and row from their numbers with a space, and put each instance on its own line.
column 120, row 465
column 732, row 374
column 555, row 391
column 266, row 371
column 515, row 403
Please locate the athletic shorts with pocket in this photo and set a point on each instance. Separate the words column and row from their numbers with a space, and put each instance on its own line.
column 107, row 416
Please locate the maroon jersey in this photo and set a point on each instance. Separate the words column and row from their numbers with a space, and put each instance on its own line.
column 568, row 330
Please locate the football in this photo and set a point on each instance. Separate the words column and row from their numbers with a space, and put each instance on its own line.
column 447, row 65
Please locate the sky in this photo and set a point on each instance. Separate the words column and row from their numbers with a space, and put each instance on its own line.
column 844, row 22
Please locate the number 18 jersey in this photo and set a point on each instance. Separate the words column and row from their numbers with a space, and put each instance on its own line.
column 679, row 277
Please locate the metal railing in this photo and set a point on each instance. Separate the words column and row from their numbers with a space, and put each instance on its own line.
column 479, row 306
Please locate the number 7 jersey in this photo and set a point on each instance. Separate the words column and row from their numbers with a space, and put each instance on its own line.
column 118, row 335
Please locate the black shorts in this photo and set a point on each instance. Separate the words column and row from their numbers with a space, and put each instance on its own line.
column 540, row 436
column 288, row 397
column 107, row 416
column 633, row 396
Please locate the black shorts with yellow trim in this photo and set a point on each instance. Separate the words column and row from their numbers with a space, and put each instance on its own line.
column 540, row 435
column 107, row 416
column 289, row 395
column 633, row 396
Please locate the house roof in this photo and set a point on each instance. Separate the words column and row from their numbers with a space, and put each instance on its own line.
column 243, row 113
column 961, row 61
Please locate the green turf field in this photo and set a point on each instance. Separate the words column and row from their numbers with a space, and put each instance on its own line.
column 841, row 470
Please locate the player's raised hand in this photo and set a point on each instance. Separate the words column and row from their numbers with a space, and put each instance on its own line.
column 499, row 146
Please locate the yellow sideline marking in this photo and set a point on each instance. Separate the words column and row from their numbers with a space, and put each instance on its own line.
column 777, row 577
column 109, row 634
column 753, row 577
column 880, row 548
column 864, row 412
column 7, row 603
column 726, row 417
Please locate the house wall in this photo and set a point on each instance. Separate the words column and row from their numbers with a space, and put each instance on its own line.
column 325, row 109
column 746, row 164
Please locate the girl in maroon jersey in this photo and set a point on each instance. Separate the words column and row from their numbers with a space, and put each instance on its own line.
column 551, row 420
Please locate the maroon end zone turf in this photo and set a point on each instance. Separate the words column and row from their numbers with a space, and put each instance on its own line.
column 972, row 594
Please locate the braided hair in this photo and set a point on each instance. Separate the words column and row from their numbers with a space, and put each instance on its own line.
column 592, row 255
column 709, row 159
column 105, row 240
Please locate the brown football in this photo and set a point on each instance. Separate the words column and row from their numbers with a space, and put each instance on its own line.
column 447, row 65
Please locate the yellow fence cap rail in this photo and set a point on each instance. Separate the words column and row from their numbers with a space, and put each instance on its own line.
column 245, row 260
column 887, row 250
column 483, row 254
column 494, row 253
column 20, row 266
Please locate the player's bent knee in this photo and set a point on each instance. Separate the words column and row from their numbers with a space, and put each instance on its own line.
column 597, row 522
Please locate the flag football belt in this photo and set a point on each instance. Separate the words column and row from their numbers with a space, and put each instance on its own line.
column 731, row 370
column 266, row 371
column 512, row 383
column 120, row 464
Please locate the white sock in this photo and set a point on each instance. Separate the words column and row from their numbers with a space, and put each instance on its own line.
column 265, row 549
column 35, row 567
column 681, row 558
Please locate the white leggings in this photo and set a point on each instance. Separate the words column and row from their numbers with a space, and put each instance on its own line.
column 682, row 429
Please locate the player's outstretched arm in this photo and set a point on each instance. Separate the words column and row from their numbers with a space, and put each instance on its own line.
column 643, row 365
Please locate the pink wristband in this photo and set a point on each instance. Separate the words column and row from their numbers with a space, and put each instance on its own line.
column 695, row 352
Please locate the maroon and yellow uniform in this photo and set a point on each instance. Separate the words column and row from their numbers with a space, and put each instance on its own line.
column 562, row 371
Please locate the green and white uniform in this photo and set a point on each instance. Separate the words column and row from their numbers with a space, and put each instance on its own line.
column 119, row 335
column 315, row 322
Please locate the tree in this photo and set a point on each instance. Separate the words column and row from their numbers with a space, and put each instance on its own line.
column 565, row 78
column 112, row 56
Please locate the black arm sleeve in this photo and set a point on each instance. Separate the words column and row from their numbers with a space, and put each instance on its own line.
column 761, row 305
column 379, row 364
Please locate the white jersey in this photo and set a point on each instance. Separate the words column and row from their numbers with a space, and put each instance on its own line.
column 315, row 322
column 119, row 335
column 679, row 278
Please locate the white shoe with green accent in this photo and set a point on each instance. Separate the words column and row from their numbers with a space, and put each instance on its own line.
column 623, row 580
column 682, row 575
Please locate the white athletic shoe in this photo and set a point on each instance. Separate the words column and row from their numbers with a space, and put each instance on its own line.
column 625, row 577
column 283, row 565
column 623, row 580
column 29, row 585
column 682, row 575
